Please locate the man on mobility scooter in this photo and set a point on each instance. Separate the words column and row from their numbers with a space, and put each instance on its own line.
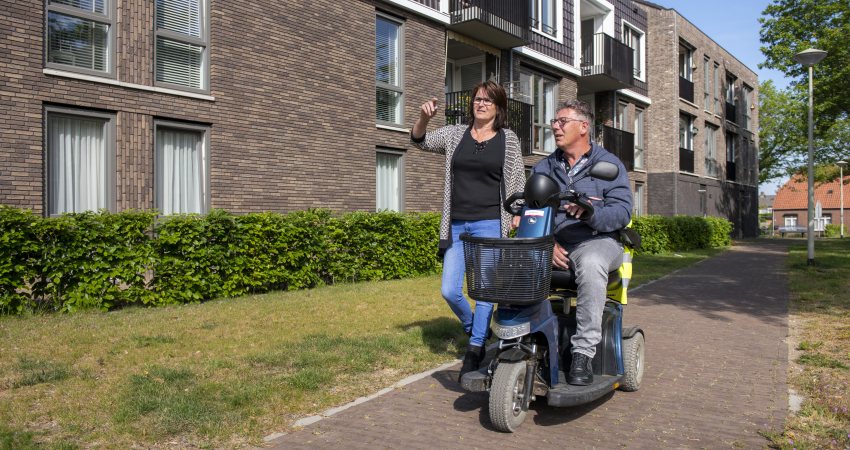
column 590, row 246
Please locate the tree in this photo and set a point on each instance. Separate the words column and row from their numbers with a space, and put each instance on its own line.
column 791, row 26
column 783, row 136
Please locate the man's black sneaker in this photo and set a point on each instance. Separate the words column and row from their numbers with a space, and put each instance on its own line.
column 581, row 370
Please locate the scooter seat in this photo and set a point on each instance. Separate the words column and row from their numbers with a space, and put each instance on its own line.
column 566, row 279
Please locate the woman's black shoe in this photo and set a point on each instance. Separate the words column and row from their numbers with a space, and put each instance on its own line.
column 471, row 360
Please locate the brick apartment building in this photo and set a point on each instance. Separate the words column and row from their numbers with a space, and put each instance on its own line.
column 187, row 105
column 710, row 167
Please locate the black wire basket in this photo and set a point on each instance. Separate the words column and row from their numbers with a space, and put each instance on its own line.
column 515, row 271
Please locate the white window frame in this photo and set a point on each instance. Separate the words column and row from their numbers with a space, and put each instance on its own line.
column 540, row 128
column 730, row 90
column 686, row 66
column 603, row 23
column 640, row 138
column 107, row 18
column 706, row 75
column 640, row 67
column 621, row 117
column 399, row 88
column 110, row 148
column 204, row 166
column 748, row 107
column 711, row 167
column 637, row 204
column 790, row 220
column 716, row 77
column 730, row 146
column 557, row 33
column 686, row 133
column 181, row 38
column 399, row 180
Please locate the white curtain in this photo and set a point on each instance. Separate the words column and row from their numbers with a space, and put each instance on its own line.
column 388, row 182
column 180, row 171
column 548, row 137
column 77, row 164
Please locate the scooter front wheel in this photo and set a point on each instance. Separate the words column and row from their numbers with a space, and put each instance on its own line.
column 506, row 396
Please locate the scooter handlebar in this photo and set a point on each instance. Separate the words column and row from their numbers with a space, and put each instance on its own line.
column 510, row 207
column 580, row 199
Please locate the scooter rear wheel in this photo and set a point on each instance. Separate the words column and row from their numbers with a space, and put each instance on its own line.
column 506, row 396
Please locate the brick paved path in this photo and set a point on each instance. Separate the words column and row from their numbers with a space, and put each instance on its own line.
column 716, row 366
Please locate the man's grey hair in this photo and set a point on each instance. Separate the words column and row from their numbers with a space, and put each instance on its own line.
column 582, row 110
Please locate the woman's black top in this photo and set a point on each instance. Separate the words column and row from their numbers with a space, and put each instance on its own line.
column 477, row 178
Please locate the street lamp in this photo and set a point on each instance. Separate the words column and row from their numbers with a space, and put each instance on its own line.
column 809, row 58
column 841, row 165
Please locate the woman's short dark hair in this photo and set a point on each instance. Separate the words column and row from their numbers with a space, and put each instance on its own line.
column 500, row 99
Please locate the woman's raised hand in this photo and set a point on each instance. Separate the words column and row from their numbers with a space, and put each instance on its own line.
column 428, row 109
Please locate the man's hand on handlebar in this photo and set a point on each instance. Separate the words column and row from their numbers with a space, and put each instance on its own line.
column 578, row 211
column 559, row 257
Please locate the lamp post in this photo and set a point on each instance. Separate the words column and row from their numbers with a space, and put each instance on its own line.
column 809, row 58
column 841, row 165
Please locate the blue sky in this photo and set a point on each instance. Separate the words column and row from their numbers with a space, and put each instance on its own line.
column 734, row 25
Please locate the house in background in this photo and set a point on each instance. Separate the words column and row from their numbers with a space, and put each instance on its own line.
column 790, row 207
column 189, row 105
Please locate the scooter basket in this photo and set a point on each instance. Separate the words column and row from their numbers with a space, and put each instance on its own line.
column 514, row 271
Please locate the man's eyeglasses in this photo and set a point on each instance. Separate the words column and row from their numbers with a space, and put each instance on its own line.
column 483, row 100
column 561, row 121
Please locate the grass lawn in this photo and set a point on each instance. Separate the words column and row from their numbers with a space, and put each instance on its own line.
column 820, row 331
column 224, row 373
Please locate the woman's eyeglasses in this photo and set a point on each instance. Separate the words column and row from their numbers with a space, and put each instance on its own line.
column 483, row 100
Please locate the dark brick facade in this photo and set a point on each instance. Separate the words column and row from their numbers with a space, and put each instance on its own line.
column 674, row 191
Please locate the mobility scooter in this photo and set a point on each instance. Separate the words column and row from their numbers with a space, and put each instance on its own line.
column 535, row 317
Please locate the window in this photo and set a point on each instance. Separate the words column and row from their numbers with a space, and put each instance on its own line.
column 388, row 90
column 542, row 93
column 388, row 181
column 790, row 220
column 634, row 39
column 711, row 167
column 181, row 168
column 638, row 200
column 748, row 108
column 730, row 89
column 730, row 147
column 639, row 138
column 686, row 132
column 80, row 35
column 685, row 62
column 716, row 78
column 182, row 39
column 80, row 161
column 621, row 118
column 543, row 16
column 706, row 77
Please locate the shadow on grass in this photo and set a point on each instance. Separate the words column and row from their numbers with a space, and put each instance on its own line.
column 441, row 335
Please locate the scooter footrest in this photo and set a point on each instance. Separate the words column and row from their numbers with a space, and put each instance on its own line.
column 475, row 381
column 564, row 394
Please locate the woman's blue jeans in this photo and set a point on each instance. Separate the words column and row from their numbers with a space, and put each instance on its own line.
column 453, row 276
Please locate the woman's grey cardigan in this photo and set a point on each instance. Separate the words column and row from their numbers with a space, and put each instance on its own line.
column 445, row 140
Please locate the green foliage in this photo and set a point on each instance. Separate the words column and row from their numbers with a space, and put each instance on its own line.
column 660, row 234
column 103, row 260
column 832, row 230
column 791, row 26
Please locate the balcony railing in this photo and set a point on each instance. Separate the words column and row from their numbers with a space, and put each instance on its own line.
column 730, row 112
column 606, row 65
column 730, row 171
column 686, row 160
column 519, row 116
column 686, row 89
column 500, row 23
column 620, row 143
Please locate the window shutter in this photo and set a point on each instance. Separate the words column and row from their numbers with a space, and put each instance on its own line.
column 179, row 62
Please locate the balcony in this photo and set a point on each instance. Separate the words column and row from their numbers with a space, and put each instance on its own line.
column 620, row 143
column 606, row 65
column 519, row 116
column 730, row 171
column 686, row 160
column 686, row 89
column 501, row 23
column 731, row 110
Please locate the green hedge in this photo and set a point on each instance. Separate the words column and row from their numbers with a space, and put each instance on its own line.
column 105, row 260
column 661, row 234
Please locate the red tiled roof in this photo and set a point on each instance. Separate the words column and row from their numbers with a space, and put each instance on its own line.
column 794, row 194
